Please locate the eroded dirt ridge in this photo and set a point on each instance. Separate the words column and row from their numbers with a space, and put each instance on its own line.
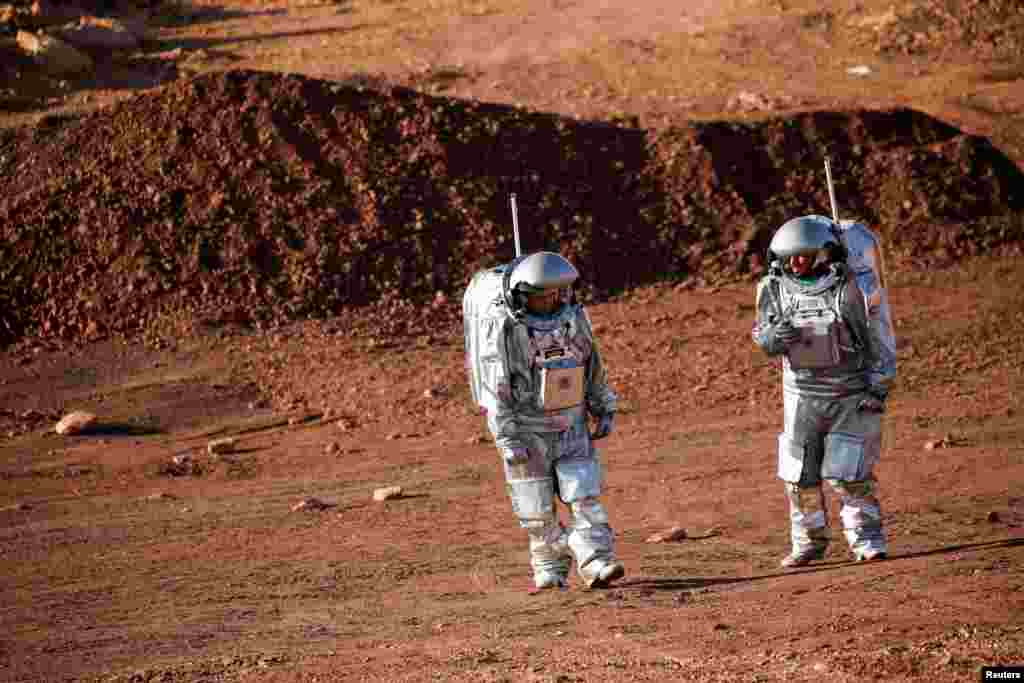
column 259, row 198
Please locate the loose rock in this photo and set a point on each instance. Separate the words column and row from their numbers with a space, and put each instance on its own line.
column 313, row 504
column 387, row 493
column 75, row 423
column 221, row 446
column 676, row 533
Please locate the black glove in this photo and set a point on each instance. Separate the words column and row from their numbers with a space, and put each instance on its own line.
column 786, row 334
column 605, row 426
column 873, row 400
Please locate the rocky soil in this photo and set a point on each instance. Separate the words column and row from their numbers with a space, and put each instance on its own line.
column 261, row 198
column 251, row 279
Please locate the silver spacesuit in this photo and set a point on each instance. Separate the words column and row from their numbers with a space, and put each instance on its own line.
column 538, row 376
column 823, row 307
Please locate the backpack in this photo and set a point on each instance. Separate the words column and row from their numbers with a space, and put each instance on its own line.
column 865, row 258
column 484, row 314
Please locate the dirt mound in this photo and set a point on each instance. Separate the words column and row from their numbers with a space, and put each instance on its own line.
column 987, row 29
column 259, row 198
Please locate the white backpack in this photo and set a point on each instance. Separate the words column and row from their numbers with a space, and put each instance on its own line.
column 484, row 315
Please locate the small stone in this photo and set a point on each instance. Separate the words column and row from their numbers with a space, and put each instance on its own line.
column 302, row 419
column 313, row 504
column 161, row 495
column 932, row 445
column 992, row 516
column 220, row 446
column 332, row 448
column 387, row 493
column 75, row 423
column 676, row 533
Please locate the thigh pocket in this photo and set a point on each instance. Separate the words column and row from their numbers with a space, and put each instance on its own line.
column 844, row 457
column 578, row 478
column 791, row 459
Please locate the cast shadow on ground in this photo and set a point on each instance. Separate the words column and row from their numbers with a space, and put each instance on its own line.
column 114, row 429
column 209, row 43
column 189, row 14
column 410, row 496
column 154, row 68
column 244, row 451
column 672, row 584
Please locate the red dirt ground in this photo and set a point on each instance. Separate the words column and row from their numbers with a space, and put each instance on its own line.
column 193, row 266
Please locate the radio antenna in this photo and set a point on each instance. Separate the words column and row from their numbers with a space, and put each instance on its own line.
column 515, row 224
column 831, row 191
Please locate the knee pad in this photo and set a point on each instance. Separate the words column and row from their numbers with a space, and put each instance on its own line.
column 533, row 501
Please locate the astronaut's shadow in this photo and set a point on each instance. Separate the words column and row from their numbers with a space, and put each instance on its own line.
column 697, row 582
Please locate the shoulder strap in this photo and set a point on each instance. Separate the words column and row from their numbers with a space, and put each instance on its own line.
column 840, row 289
column 775, row 292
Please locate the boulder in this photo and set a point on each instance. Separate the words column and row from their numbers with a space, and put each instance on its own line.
column 387, row 493
column 53, row 54
column 75, row 423
column 98, row 35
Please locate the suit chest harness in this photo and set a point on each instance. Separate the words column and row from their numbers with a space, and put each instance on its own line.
column 560, row 366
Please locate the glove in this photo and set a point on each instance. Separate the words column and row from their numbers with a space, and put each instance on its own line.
column 873, row 401
column 786, row 334
column 515, row 456
column 605, row 426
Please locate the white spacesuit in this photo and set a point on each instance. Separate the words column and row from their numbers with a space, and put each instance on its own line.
column 838, row 347
column 536, row 373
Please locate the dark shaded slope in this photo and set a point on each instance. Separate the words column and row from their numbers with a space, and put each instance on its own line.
column 260, row 198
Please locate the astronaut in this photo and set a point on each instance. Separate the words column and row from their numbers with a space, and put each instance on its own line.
column 542, row 383
column 838, row 357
